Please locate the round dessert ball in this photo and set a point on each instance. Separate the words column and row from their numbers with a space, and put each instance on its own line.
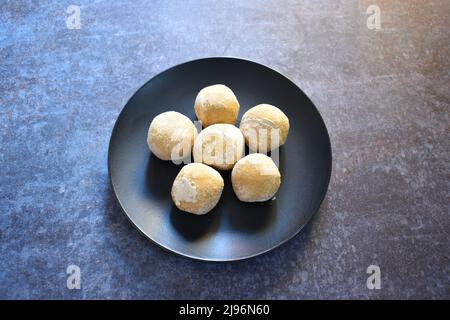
column 197, row 188
column 265, row 127
column 255, row 178
column 171, row 136
column 216, row 104
column 220, row 146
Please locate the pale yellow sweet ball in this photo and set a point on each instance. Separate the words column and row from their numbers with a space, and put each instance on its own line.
column 197, row 188
column 255, row 178
column 216, row 104
column 171, row 136
column 265, row 127
column 219, row 145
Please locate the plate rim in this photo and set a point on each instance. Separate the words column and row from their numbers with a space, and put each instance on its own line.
column 185, row 255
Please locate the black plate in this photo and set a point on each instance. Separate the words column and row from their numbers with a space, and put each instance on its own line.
column 233, row 230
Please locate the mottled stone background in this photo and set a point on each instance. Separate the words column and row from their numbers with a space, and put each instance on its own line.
column 384, row 96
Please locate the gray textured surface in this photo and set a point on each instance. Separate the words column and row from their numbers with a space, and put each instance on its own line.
column 383, row 95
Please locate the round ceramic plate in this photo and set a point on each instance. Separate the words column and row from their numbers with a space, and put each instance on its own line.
column 233, row 230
